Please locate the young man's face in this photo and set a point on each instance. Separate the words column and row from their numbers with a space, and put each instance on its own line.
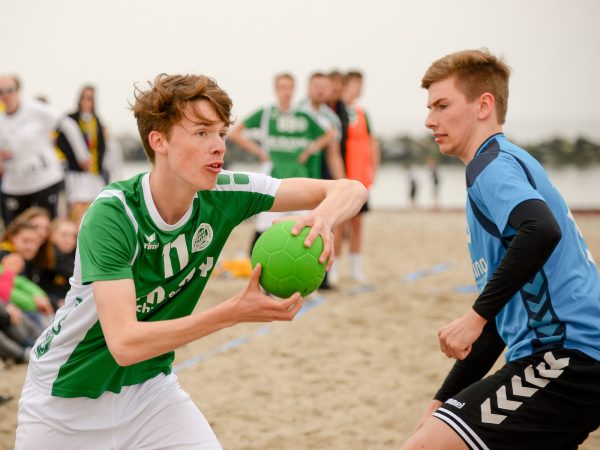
column 451, row 117
column 284, row 90
column 353, row 88
column 319, row 90
column 9, row 94
column 195, row 151
column 26, row 243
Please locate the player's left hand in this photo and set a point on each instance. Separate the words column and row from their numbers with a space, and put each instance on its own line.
column 457, row 338
column 319, row 226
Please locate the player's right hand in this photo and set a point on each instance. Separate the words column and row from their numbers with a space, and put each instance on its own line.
column 253, row 305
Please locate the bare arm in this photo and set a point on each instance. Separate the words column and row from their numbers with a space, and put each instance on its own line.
column 317, row 145
column 127, row 338
column 246, row 144
column 334, row 202
column 375, row 154
column 333, row 157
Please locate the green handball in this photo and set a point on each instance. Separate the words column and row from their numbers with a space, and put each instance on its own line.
column 287, row 265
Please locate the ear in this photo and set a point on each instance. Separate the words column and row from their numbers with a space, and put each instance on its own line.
column 487, row 106
column 158, row 142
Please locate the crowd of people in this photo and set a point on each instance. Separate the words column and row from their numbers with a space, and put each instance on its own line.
column 52, row 166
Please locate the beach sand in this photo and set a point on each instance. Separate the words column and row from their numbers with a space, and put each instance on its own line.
column 357, row 369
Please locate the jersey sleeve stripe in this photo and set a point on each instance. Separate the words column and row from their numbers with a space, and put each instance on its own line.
column 109, row 193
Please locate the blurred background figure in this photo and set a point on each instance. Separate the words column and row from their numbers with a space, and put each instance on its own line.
column 362, row 163
column 413, row 184
column 82, row 186
column 432, row 166
column 289, row 143
column 32, row 174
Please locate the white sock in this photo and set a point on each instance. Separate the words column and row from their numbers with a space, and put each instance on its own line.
column 356, row 267
column 333, row 276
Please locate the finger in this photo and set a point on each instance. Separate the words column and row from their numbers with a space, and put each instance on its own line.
column 330, row 259
column 299, row 225
column 287, row 303
column 255, row 276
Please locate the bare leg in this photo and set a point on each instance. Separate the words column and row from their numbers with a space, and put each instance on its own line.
column 434, row 435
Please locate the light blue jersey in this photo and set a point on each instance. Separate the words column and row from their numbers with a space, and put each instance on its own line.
column 560, row 306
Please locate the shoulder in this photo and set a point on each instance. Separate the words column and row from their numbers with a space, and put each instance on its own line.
column 498, row 154
column 235, row 182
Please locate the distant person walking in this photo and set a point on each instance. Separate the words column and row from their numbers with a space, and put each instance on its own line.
column 432, row 166
column 32, row 173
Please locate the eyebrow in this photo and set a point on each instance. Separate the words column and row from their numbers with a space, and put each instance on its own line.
column 437, row 102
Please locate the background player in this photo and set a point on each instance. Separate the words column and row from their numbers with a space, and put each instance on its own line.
column 540, row 289
column 290, row 141
column 100, row 376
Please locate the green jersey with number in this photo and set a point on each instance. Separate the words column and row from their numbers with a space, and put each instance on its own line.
column 122, row 236
column 285, row 135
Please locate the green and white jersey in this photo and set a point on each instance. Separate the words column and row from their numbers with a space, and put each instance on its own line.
column 286, row 134
column 324, row 115
column 122, row 236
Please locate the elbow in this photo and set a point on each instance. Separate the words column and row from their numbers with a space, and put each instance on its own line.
column 122, row 354
column 361, row 191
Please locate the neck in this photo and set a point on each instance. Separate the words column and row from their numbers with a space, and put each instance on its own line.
column 171, row 198
column 478, row 139
column 284, row 106
column 315, row 104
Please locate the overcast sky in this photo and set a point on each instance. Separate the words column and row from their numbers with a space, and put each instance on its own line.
column 552, row 45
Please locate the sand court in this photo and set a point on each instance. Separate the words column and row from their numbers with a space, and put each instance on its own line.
column 356, row 369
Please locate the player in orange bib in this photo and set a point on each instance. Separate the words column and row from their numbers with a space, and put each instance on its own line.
column 362, row 161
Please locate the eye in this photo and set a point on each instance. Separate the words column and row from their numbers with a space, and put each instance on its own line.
column 201, row 133
column 223, row 134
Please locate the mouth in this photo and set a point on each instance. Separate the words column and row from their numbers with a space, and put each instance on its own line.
column 437, row 137
column 215, row 167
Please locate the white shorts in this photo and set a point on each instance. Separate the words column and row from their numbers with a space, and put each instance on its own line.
column 82, row 187
column 156, row 414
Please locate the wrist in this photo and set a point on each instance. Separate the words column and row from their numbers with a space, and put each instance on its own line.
column 475, row 317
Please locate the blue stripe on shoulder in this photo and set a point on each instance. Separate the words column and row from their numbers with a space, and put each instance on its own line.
column 480, row 162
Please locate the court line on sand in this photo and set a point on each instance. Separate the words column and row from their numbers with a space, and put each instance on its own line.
column 313, row 301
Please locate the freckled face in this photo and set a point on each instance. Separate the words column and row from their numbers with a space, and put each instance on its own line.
column 196, row 150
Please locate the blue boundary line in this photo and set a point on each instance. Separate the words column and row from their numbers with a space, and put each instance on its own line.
column 316, row 300
column 438, row 268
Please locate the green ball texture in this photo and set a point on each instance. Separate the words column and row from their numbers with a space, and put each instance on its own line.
column 287, row 265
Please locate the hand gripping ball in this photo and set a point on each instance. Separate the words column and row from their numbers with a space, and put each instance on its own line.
column 287, row 265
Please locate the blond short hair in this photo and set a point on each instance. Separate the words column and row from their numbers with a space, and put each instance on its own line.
column 476, row 72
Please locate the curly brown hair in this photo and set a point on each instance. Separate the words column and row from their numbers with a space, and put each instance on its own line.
column 165, row 102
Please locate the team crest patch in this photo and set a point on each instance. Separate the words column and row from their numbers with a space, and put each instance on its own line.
column 202, row 237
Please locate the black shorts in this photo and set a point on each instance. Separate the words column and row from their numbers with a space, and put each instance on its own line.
column 47, row 198
column 545, row 401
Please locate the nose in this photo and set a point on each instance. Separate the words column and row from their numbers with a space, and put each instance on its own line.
column 218, row 146
column 430, row 121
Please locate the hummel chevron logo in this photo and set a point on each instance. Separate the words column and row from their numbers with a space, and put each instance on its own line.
column 487, row 416
column 553, row 368
column 519, row 389
column 503, row 402
column 150, row 238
